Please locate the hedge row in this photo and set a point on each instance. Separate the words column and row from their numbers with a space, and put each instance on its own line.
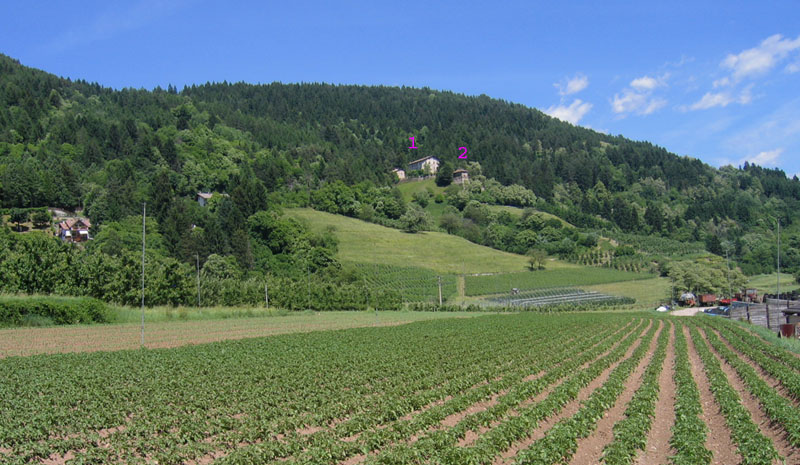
column 35, row 311
column 8, row 211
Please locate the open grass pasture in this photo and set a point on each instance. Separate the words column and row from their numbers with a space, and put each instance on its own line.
column 362, row 242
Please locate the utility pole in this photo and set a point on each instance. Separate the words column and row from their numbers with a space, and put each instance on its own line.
column 778, row 220
column 266, row 294
column 440, row 290
column 730, row 288
column 198, row 279
column 366, row 294
column 144, row 214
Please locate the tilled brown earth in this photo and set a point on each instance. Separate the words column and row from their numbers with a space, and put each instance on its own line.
column 770, row 430
column 590, row 449
column 658, row 450
column 769, row 379
column 567, row 411
column 719, row 440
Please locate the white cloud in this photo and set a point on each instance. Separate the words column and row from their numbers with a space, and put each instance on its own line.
column 780, row 128
column 722, row 99
column 644, row 83
column 115, row 20
column 638, row 97
column 793, row 67
column 629, row 101
column 572, row 113
column 573, row 85
column 726, row 81
column 760, row 59
column 710, row 100
column 766, row 158
column 654, row 105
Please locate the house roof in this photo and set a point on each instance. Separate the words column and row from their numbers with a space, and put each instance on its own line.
column 205, row 195
column 423, row 159
column 397, row 169
column 459, row 171
column 69, row 223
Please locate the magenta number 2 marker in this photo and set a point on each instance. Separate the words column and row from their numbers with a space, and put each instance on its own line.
column 463, row 154
column 412, row 142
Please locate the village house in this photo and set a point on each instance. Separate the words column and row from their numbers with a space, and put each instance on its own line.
column 74, row 230
column 203, row 198
column 401, row 174
column 428, row 164
column 460, row 176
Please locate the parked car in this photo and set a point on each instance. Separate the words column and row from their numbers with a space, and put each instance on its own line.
column 718, row 311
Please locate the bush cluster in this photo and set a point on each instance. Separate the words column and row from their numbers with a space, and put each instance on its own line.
column 35, row 311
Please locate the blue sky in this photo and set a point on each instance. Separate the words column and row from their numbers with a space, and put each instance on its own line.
column 719, row 81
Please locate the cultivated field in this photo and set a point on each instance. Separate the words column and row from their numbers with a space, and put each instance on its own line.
column 540, row 279
column 162, row 334
column 575, row 389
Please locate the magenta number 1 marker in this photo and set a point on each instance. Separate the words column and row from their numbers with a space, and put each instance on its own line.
column 463, row 154
column 412, row 142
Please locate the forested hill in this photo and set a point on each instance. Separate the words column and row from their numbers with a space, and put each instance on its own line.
column 71, row 143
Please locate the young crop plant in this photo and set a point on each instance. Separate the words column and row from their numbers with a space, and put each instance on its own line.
column 689, row 431
column 754, row 447
column 561, row 442
column 772, row 359
column 630, row 434
column 440, row 445
column 777, row 407
column 512, row 429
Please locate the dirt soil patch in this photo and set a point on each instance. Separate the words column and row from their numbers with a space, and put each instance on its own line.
column 773, row 431
column 590, row 449
column 718, row 440
column 658, row 450
column 567, row 411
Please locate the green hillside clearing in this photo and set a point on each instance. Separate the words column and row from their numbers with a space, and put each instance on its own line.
column 362, row 242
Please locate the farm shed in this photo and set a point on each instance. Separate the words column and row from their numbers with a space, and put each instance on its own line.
column 771, row 314
column 460, row 176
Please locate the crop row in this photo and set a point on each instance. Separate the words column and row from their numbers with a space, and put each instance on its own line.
column 689, row 431
column 754, row 447
column 561, row 442
column 773, row 360
column 777, row 407
column 446, row 410
column 401, row 430
column 326, row 445
column 323, row 446
column 630, row 434
column 439, row 446
column 562, row 277
column 513, row 426
column 414, row 284
column 280, row 384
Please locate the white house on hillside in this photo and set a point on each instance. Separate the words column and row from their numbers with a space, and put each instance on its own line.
column 429, row 164
column 401, row 174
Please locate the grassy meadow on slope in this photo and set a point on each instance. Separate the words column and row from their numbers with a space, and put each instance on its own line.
column 768, row 283
column 362, row 242
column 403, row 259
